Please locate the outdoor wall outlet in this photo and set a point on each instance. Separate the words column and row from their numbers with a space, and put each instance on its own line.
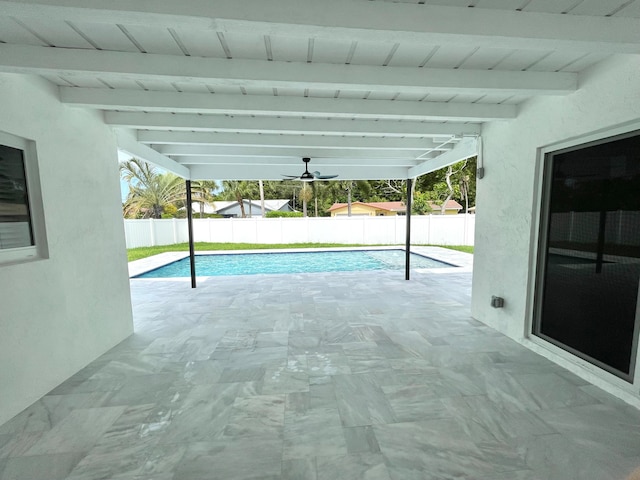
column 480, row 172
column 497, row 302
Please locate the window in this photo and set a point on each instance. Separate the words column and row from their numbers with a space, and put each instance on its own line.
column 21, row 219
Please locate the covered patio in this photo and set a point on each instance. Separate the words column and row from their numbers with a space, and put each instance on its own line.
column 319, row 376
column 322, row 376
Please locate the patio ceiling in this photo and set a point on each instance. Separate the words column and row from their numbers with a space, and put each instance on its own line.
column 367, row 89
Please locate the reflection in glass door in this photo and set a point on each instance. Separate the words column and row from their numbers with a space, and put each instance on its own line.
column 589, row 264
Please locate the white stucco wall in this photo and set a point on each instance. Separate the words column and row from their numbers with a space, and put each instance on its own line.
column 608, row 96
column 58, row 314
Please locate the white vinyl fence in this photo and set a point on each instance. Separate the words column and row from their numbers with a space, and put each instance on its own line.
column 431, row 229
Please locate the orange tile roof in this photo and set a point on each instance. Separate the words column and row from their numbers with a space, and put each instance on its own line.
column 390, row 206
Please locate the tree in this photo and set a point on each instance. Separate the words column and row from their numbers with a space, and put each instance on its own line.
column 306, row 194
column 150, row 192
column 238, row 190
column 457, row 181
column 202, row 193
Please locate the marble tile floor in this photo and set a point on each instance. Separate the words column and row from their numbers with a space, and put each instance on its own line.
column 319, row 377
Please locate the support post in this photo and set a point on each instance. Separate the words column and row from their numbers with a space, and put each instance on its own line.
column 192, row 257
column 407, row 262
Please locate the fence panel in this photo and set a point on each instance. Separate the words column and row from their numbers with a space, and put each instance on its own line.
column 434, row 229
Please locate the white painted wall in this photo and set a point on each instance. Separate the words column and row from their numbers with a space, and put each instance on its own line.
column 425, row 229
column 58, row 314
column 608, row 96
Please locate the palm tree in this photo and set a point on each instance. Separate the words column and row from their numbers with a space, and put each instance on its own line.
column 202, row 191
column 149, row 191
column 306, row 194
column 238, row 191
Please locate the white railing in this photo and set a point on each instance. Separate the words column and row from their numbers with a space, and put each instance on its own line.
column 425, row 229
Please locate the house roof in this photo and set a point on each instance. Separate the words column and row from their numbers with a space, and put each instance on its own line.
column 269, row 205
column 450, row 205
column 368, row 90
column 389, row 206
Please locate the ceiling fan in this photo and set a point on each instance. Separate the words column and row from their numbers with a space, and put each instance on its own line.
column 308, row 176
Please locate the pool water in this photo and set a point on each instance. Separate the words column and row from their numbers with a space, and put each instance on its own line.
column 298, row 262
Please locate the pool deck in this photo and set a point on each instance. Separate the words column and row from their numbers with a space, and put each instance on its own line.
column 461, row 260
column 319, row 376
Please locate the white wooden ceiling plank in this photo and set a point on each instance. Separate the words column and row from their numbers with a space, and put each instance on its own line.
column 192, row 87
column 409, row 97
column 289, row 49
column 549, row 6
column 493, row 99
column 499, row 4
column 556, row 61
column 515, row 100
column 520, row 60
column 270, row 124
column 630, row 11
column 84, row 81
column 360, row 21
column 262, row 75
column 382, row 96
column 285, row 106
column 317, row 93
column 259, row 91
column 597, row 7
column 280, row 151
column 243, row 45
column 449, row 56
column 486, row 58
column 201, row 43
column 292, row 92
column 330, row 51
column 58, row 33
column 451, row 3
column 270, row 140
column 123, row 84
column 155, row 40
column 224, row 89
column 584, row 62
column 370, row 53
column 107, row 36
column 439, row 97
column 294, row 161
column 410, row 55
column 355, row 94
column 12, row 32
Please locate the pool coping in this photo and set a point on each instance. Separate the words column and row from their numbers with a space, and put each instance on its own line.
column 463, row 262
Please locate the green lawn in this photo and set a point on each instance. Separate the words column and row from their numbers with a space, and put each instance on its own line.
column 143, row 252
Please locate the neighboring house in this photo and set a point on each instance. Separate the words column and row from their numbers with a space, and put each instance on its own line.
column 452, row 208
column 378, row 209
column 252, row 208
column 370, row 209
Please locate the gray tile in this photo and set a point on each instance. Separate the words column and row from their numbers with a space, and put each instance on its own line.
column 261, row 416
column 78, row 432
column 299, row 469
column 203, row 415
column 361, row 440
column 342, row 375
column 40, row 467
column 245, row 459
column 367, row 466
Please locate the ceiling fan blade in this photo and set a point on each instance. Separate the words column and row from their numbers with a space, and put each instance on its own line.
column 291, row 176
column 318, row 176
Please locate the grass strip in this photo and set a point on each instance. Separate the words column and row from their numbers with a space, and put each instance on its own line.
column 143, row 252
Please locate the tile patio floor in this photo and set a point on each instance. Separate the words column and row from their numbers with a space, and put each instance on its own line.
column 323, row 377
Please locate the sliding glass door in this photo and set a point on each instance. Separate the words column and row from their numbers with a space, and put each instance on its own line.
column 589, row 264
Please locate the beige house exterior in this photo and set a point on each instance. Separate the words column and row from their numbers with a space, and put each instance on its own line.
column 371, row 209
column 452, row 208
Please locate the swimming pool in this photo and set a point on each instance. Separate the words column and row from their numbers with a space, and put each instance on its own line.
column 293, row 262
